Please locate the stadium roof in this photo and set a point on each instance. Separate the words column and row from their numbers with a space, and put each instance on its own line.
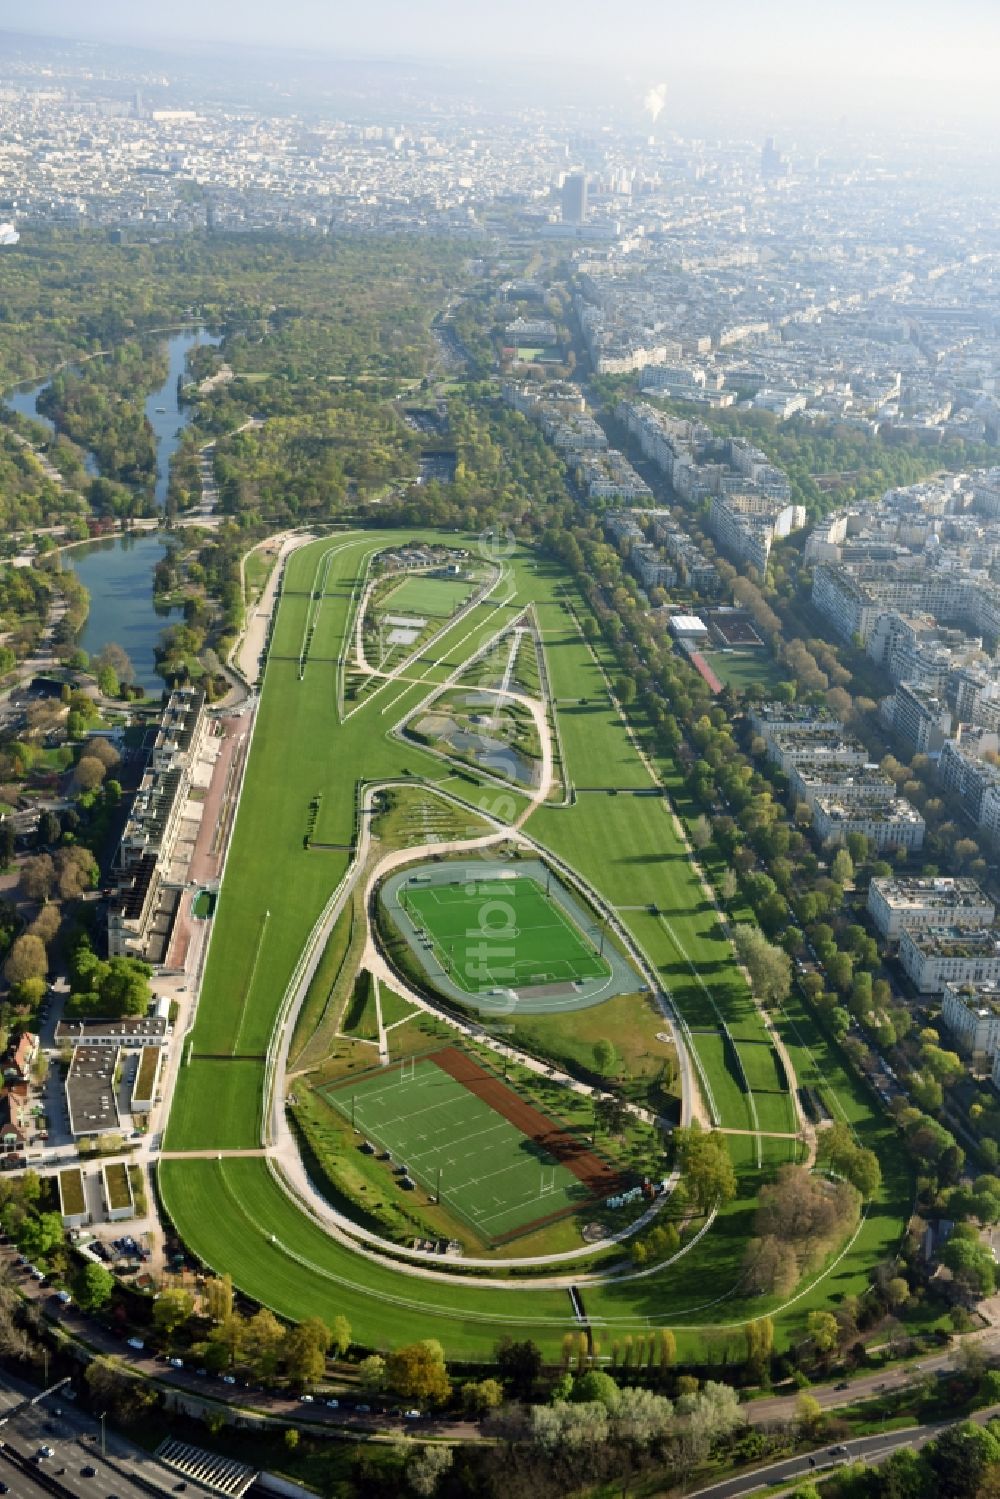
column 688, row 624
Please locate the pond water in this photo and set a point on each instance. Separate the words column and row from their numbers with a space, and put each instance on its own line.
column 118, row 571
column 166, row 416
column 118, row 574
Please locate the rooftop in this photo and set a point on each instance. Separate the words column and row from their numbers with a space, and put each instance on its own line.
column 90, row 1090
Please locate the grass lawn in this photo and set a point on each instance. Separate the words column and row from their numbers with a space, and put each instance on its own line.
column 545, row 945
column 435, row 598
column 218, row 1100
column 394, row 1009
column 646, row 1067
column 760, row 1063
column 745, row 670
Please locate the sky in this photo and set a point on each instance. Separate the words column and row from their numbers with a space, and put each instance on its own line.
column 852, row 38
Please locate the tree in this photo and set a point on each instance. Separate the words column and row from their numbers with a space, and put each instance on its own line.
column 566, row 1428
column 371, row 1373
column 760, row 1341
column 426, row 1468
column 605, row 1057
column 36, row 877
column 219, row 1298
column 38, row 1237
column 49, row 830
column 958, row 1459
column 707, row 1166
column 596, row 1385
column 769, row 967
column 305, row 1352
column 27, row 959
column 729, row 885
column 340, row 1336
column 76, row 870
column 823, row 1331
column 127, row 1396
column 104, row 750
column 263, row 1342
column 668, row 1349
column 478, row 1398
column 842, row 868
column 519, row 1365
column 808, row 1413
column 90, row 772
column 171, row 1309
column 701, row 832
column 93, row 1287
column 417, row 1372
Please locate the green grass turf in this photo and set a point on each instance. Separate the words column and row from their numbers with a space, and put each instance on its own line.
column 745, row 670
column 216, row 1100
column 545, row 946
column 625, row 845
column 760, row 1063
column 491, row 1174
column 435, row 598
column 235, row 1217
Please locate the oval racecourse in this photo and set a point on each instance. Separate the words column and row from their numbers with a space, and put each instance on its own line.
column 613, row 934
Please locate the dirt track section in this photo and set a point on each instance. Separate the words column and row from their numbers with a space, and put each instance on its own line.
column 596, row 1175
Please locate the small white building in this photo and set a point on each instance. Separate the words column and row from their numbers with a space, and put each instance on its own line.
column 688, row 625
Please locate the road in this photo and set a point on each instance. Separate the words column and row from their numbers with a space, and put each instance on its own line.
column 75, row 1438
column 870, row 1450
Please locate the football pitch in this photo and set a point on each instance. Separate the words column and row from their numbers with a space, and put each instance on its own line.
column 505, row 933
column 435, row 597
column 498, row 1178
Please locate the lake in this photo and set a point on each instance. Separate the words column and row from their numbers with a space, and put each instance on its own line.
column 165, row 414
column 118, row 574
column 118, row 571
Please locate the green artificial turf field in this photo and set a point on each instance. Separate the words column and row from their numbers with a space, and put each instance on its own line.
column 540, row 943
column 494, row 1176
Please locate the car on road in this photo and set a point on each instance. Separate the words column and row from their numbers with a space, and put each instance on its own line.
column 45, row 1451
column 844, row 1384
column 228, row 1379
column 88, row 1472
column 333, row 1405
column 137, row 1344
column 412, row 1415
column 307, row 1399
column 363, row 1410
column 176, row 1363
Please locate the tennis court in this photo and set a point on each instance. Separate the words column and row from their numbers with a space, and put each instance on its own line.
column 436, row 597
column 504, row 1165
column 500, row 933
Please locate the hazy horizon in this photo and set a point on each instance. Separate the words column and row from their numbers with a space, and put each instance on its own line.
column 766, row 66
column 916, row 40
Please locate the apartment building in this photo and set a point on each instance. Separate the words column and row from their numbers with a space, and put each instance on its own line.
column 886, row 824
column 971, row 1013
column 960, row 955
column 896, row 905
column 808, row 780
